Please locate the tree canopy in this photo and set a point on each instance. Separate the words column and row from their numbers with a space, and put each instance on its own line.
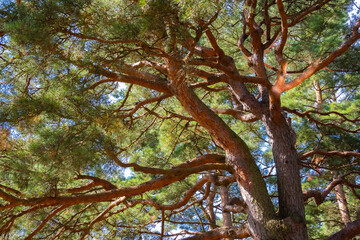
column 179, row 119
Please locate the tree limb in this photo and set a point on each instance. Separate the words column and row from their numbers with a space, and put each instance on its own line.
column 348, row 232
column 320, row 64
column 222, row 232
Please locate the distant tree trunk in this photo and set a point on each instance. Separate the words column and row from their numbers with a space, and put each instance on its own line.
column 318, row 91
column 339, row 190
column 210, row 208
column 224, row 201
column 341, row 199
column 342, row 203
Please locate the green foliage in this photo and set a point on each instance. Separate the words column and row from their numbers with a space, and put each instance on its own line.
column 57, row 124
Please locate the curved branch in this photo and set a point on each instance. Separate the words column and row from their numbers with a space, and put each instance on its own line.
column 249, row 117
column 331, row 153
column 185, row 199
column 98, row 181
column 50, row 216
column 198, row 163
column 319, row 197
column 308, row 116
column 140, row 104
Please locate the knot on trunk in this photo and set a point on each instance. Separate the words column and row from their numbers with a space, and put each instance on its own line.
column 279, row 229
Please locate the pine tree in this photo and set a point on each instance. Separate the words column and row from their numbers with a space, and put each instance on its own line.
column 163, row 119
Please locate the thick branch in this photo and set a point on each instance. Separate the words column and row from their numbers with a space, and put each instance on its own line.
column 222, row 232
column 347, row 233
column 177, row 175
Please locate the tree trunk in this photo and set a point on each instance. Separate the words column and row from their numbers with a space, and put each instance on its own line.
column 282, row 140
column 291, row 203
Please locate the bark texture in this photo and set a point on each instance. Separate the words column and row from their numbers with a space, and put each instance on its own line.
column 291, row 203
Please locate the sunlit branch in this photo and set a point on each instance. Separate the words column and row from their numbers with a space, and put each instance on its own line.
column 108, row 195
column 200, row 200
column 319, row 196
column 288, row 72
column 284, row 31
column 184, row 200
column 235, row 205
column 245, row 117
column 141, row 74
column 214, row 44
column 48, row 218
column 210, row 213
column 98, row 181
column 155, row 65
column 101, row 215
column 320, row 64
column 211, row 78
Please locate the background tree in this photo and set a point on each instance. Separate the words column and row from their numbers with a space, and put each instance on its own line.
column 229, row 114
